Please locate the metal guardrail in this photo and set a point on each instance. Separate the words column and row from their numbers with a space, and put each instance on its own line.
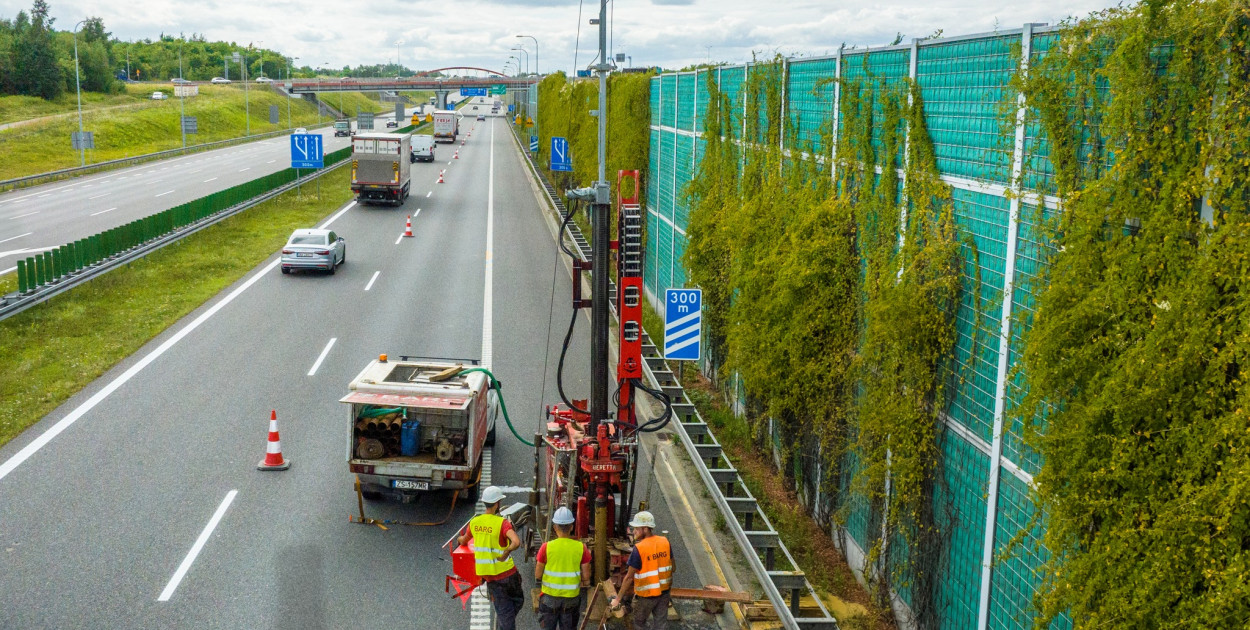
column 15, row 303
column 749, row 525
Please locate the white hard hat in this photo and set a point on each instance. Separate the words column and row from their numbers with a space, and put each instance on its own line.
column 643, row 519
column 563, row 516
column 492, row 495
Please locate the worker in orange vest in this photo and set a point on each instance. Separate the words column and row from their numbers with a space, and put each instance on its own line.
column 494, row 540
column 649, row 575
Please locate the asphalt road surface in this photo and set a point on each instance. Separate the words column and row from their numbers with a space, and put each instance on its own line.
column 35, row 219
column 137, row 504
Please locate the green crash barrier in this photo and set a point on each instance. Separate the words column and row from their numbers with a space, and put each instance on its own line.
column 21, row 276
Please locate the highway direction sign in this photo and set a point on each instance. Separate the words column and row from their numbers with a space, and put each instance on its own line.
column 498, row 89
column 466, row 91
column 683, row 324
column 533, row 144
column 307, row 151
column 364, row 120
column 560, row 158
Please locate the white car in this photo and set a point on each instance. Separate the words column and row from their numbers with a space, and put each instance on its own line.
column 158, row 96
column 300, row 130
column 318, row 250
column 220, row 80
column 264, row 80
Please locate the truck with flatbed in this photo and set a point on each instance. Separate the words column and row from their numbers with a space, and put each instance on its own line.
column 342, row 127
column 419, row 425
column 446, row 126
column 381, row 167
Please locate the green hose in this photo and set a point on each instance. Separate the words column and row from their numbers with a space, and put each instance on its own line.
column 495, row 385
column 373, row 413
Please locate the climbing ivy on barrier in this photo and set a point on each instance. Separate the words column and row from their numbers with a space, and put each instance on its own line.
column 1132, row 367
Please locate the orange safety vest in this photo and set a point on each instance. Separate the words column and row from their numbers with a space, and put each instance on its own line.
column 656, row 575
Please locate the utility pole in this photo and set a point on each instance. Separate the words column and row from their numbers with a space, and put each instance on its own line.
column 82, row 149
column 182, row 105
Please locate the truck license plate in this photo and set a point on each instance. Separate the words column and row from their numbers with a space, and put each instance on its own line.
column 404, row 484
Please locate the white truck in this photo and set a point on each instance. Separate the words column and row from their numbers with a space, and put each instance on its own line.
column 381, row 167
column 446, row 126
column 422, row 148
column 418, row 425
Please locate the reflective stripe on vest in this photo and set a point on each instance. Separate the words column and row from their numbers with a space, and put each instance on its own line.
column 485, row 529
column 563, row 571
column 656, row 573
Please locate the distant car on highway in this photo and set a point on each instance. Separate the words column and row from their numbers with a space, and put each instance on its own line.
column 481, row 116
column 178, row 80
column 392, row 123
column 264, row 80
column 321, row 250
column 300, row 130
column 158, row 96
column 220, row 80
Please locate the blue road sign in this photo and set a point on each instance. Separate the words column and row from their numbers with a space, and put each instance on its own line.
column 560, row 158
column 533, row 144
column 683, row 324
column 472, row 91
column 307, row 150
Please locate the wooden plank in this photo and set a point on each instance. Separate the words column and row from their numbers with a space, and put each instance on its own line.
column 708, row 594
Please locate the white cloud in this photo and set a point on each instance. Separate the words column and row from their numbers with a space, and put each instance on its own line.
column 667, row 33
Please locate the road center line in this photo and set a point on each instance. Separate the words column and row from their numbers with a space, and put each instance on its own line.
column 244, row 169
column 24, row 215
column 101, row 212
column 326, row 351
column 209, row 180
column 371, row 280
column 14, row 238
column 195, row 549
column 164, row 193
column 97, row 196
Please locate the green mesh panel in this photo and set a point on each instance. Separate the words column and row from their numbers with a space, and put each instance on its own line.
column 965, row 85
column 960, row 509
column 1015, row 576
column 879, row 71
column 701, row 99
column 685, row 101
column 664, row 255
column 809, row 103
column 655, row 101
column 759, row 102
column 653, row 172
column 731, row 79
column 684, row 170
column 668, row 88
column 679, row 270
column 651, row 271
column 983, row 218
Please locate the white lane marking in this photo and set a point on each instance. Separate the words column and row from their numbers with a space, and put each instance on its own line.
column 270, row 161
column 101, row 212
column 371, row 280
column 194, row 172
column 23, row 215
column 326, row 351
column 487, row 308
column 9, row 270
column 195, row 549
column 399, row 238
column 14, row 238
column 427, row 195
column 336, row 215
column 244, row 169
column 209, row 180
column 448, row 162
column 64, row 423
column 45, row 195
column 165, row 193
column 97, row 196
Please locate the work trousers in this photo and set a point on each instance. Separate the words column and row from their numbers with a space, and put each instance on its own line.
column 558, row 613
column 651, row 613
column 508, row 598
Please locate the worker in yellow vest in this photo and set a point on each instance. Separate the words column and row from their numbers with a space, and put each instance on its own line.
column 563, row 568
column 648, row 574
column 494, row 540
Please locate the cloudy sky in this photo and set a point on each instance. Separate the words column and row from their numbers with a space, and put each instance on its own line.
column 667, row 33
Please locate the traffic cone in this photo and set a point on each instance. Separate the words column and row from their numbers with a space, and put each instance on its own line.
column 456, row 156
column 273, row 450
column 408, row 227
column 440, row 177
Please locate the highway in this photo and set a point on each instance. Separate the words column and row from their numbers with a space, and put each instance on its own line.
column 42, row 217
column 137, row 504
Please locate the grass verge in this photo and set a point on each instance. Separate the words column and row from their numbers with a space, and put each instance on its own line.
column 16, row 107
column 825, row 567
column 53, row 350
column 222, row 112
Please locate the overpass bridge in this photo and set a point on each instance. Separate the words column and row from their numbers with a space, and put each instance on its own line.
column 440, row 85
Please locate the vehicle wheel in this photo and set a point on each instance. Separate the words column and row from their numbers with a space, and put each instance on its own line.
column 285, row 270
column 344, row 259
column 490, row 437
column 332, row 269
column 371, row 495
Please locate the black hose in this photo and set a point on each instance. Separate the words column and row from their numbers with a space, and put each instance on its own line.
column 662, row 421
column 568, row 336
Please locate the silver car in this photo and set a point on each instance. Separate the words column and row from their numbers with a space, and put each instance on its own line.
column 314, row 249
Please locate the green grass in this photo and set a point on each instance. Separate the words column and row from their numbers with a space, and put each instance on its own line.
column 15, row 108
column 150, row 126
column 53, row 350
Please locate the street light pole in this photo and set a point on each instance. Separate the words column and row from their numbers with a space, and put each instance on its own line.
column 289, row 62
column 534, row 88
column 82, row 149
column 182, row 104
column 398, row 65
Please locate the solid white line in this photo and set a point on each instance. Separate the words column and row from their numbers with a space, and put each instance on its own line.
column 326, row 351
column 102, row 212
column 195, row 549
column 10, row 269
column 375, row 277
column 14, row 238
column 97, row 196
column 336, row 215
column 64, row 423
column 209, row 180
column 23, row 215
column 47, row 195
column 165, row 193
column 487, row 302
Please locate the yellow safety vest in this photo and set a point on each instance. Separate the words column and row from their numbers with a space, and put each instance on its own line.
column 485, row 529
column 656, row 574
column 563, row 571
